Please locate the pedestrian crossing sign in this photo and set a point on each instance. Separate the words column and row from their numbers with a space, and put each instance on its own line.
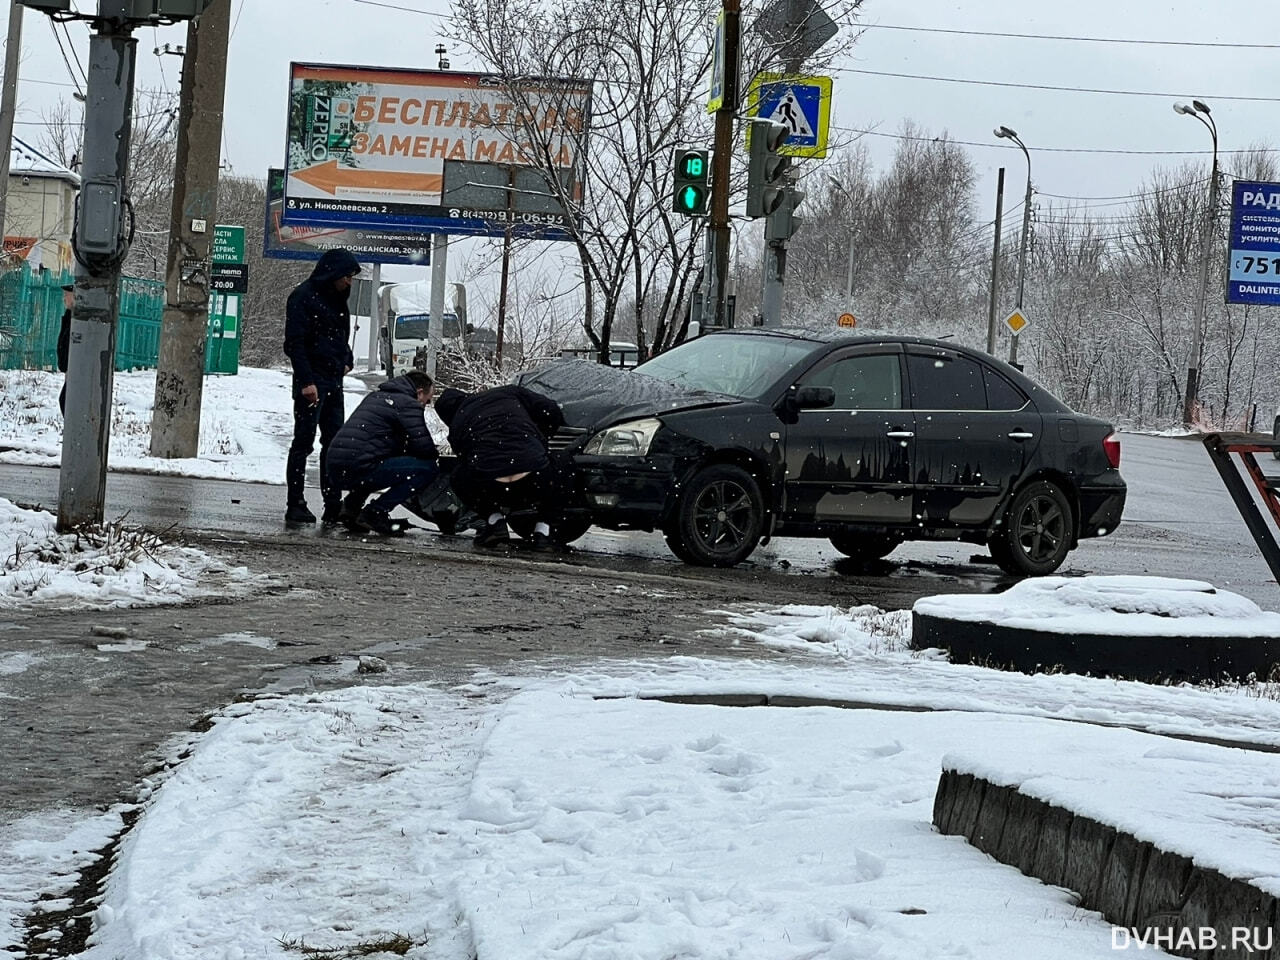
column 802, row 103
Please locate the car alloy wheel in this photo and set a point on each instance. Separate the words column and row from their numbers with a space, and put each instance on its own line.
column 719, row 518
column 1036, row 535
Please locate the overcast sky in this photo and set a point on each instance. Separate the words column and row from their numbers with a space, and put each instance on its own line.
column 1238, row 83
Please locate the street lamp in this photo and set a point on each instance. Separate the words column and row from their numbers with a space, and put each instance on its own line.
column 1005, row 133
column 1200, row 110
column 848, row 292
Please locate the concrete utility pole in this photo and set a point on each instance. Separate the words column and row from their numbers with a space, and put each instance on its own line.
column 175, row 418
column 718, row 231
column 435, row 325
column 376, row 317
column 9, row 102
column 995, row 268
column 101, row 243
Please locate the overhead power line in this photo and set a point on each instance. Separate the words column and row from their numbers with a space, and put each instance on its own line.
column 396, row 6
column 1043, row 86
column 1053, row 36
column 1038, row 148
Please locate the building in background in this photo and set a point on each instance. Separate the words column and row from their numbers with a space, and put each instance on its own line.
column 40, row 210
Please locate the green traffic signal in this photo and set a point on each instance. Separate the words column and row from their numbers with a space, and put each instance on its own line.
column 691, row 188
column 692, row 200
column 693, row 166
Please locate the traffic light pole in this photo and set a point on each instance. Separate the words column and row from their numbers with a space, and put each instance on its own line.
column 101, row 244
column 714, row 306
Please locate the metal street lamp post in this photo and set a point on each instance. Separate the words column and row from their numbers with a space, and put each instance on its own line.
column 1006, row 134
column 848, row 285
column 1200, row 110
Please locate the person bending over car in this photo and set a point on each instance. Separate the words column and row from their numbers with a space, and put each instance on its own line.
column 385, row 445
column 500, row 438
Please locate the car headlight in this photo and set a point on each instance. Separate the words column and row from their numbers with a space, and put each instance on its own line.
column 629, row 439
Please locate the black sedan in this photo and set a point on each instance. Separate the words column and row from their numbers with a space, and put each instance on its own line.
column 743, row 435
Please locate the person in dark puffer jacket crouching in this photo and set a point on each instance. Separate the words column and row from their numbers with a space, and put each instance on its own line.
column 385, row 445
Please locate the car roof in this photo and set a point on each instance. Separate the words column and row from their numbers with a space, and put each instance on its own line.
column 840, row 336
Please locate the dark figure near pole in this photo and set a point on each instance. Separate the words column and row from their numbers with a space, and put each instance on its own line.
column 500, row 438
column 64, row 340
column 384, row 446
column 316, row 334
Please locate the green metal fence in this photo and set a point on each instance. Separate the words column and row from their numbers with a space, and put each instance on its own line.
column 31, row 313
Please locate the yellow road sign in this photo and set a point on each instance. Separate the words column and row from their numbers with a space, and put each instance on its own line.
column 1016, row 321
column 802, row 103
column 847, row 320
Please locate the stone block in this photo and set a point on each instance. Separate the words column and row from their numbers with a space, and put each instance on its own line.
column 1051, row 852
column 1087, row 849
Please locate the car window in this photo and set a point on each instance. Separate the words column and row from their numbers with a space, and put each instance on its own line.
column 1001, row 394
column 863, row 382
column 945, row 382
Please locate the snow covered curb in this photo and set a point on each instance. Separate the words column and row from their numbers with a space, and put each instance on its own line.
column 1143, row 628
column 1119, row 606
column 110, row 566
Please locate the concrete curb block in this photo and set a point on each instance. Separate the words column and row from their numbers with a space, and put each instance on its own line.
column 1151, row 659
column 1134, row 884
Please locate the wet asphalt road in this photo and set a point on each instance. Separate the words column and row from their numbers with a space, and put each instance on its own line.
column 1178, row 522
column 86, row 722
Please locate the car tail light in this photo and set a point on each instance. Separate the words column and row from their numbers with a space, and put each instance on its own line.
column 1111, row 446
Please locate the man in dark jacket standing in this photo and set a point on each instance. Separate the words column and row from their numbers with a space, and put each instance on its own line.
column 385, row 445
column 317, row 328
column 500, row 437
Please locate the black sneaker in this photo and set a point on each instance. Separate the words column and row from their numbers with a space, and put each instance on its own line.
column 349, row 515
column 541, row 543
column 380, row 522
column 332, row 514
column 492, row 536
column 298, row 514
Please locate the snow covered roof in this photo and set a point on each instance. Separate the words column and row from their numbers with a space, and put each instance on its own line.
column 27, row 161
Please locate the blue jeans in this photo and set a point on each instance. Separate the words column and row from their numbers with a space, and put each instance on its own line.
column 401, row 477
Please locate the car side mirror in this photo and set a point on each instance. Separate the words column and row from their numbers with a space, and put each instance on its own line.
column 814, row 398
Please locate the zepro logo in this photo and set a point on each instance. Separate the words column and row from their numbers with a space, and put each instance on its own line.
column 328, row 126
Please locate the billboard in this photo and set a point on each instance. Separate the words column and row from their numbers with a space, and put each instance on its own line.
column 1253, row 262
column 296, row 242
column 372, row 147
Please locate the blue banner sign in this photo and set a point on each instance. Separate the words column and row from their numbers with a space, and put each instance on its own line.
column 1253, row 261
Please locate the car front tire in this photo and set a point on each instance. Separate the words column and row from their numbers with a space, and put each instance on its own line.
column 1036, row 534
column 865, row 546
column 719, row 518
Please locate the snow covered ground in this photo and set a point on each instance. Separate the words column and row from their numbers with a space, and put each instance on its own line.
column 112, row 566
column 562, row 816
column 246, row 423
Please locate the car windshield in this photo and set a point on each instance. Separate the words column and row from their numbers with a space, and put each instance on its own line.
column 741, row 366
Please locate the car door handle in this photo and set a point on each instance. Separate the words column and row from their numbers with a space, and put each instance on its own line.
column 901, row 434
column 1020, row 435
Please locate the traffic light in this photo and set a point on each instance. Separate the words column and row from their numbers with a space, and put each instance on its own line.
column 782, row 223
column 691, row 193
column 765, row 166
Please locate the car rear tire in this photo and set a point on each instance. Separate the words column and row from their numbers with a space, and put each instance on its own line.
column 719, row 518
column 1037, row 531
column 865, row 546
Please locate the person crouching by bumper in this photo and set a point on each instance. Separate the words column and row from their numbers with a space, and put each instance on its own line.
column 500, row 437
column 385, row 445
